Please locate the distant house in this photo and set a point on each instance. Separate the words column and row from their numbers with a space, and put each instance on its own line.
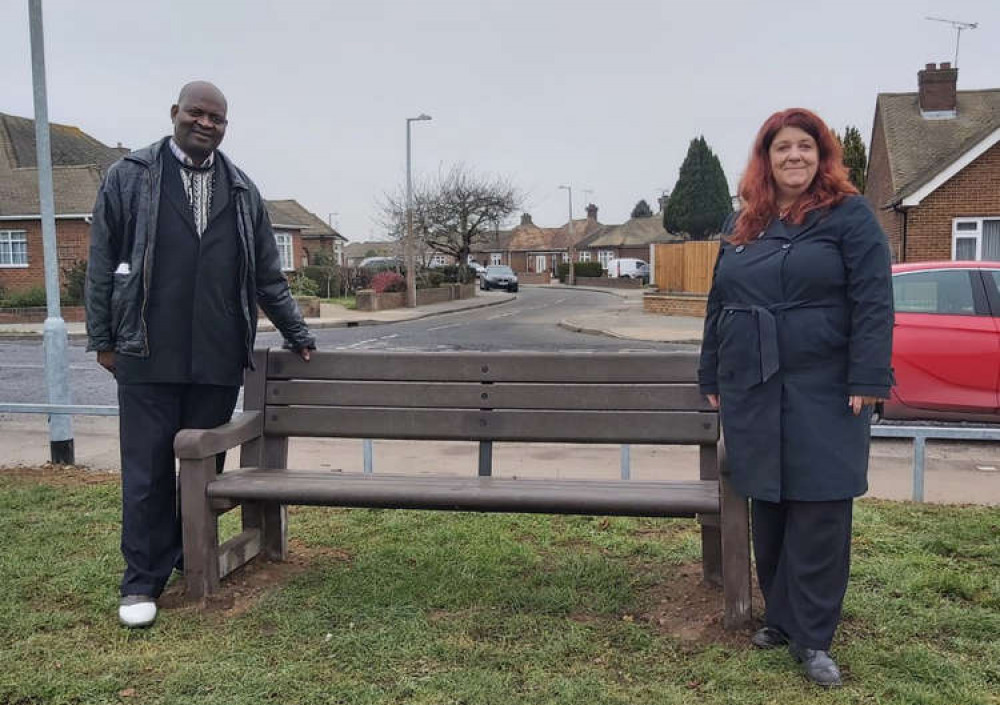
column 529, row 248
column 354, row 252
column 78, row 163
column 630, row 239
column 934, row 169
column 302, row 235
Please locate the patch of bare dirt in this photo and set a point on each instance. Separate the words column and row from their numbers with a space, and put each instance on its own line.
column 243, row 588
column 60, row 475
column 688, row 609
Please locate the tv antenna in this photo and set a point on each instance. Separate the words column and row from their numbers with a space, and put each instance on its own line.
column 958, row 27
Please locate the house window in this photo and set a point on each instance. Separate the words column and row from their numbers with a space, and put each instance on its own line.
column 605, row 256
column 496, row 258
column 284, row 241
column 565, row 256
column 439, row 260
column 976, row 239
column 13, row 248
column 583, row 256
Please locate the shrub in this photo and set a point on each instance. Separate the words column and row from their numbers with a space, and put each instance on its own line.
column 582, row 269
column 302, row 285
column 452, row 274
column 25, row 298
column 74, row 282
column 387, row 282
column 430, row 279
column 326, row 277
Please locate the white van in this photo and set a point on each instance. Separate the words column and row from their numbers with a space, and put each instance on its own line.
column 626, row 267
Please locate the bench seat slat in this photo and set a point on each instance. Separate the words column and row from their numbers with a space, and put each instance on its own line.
column 504, row 395
column 484, row 494
column 638, row 367
column 651, row 427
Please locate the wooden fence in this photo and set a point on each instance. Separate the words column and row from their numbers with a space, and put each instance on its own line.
column 685, row 266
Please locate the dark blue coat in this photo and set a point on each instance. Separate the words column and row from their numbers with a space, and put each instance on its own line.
column 798, row 320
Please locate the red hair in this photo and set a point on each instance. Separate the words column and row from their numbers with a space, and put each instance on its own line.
column 758, row 195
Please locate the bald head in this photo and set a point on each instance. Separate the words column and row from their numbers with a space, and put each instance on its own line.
column 199, row 118
column 198, row 89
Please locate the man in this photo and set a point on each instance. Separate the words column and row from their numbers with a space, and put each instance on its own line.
column 181, row 253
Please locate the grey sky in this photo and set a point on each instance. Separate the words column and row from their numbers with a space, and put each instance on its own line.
column 601, row 95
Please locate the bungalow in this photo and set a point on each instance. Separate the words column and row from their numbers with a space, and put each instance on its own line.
column 529, row 248
column 629, row 239
column 79, row 162
column 934, row 169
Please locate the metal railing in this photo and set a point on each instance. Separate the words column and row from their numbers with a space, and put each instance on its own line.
column 919, row 434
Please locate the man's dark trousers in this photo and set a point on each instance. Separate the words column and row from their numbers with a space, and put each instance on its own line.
column 150, row 417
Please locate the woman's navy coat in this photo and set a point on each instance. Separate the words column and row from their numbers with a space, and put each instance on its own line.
column 798, row 320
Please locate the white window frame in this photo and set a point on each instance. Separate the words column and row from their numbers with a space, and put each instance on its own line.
column 541, row 263
column 605, row 256
column 583, row 256
column 439, row 260
column 565, row 256
column 10, row 238
column 286, row 250
column 496, row 258
column 976, row 234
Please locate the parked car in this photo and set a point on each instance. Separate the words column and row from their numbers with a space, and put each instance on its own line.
column 643, row 273
column 498, row 276
column 627, row 267
column 946, row 342
column 477, row 268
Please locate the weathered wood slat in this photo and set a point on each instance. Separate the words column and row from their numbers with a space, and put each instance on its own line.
column 474, row 395
column 644, row 368
column 651, row 427
column 484, row 494
column 238, row 550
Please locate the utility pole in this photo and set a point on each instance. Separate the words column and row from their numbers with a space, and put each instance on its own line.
column 572, row 243
column 411, row 264
column 54, row 338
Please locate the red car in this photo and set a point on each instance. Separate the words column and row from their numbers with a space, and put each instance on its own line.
column 946, row 342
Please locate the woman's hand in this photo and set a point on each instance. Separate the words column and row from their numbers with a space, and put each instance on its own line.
column 856, row 402
column 713, row 400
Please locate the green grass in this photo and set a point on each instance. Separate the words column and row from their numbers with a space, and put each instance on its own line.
column 408, row 607
column 348, row 302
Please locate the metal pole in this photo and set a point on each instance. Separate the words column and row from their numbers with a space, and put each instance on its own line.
column 411, row 275
column 54, row 337
column 572, row 245
column 919, row 446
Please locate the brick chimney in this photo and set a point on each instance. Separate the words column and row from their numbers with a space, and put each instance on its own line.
column 592, row 212
column 938, row 91
column 526, row 219
column 663, row 200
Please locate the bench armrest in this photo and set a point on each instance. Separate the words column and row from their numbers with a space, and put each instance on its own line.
column 196, row 444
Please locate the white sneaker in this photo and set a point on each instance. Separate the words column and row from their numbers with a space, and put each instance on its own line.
column 137, row 611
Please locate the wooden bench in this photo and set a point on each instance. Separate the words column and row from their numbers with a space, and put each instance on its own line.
column 635, row 398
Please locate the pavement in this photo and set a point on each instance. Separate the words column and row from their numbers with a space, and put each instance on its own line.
column 955, row 472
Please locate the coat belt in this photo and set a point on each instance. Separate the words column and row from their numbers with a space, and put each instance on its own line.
column 767, row 330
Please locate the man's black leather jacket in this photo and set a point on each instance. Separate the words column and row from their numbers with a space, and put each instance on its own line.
column 122, row 246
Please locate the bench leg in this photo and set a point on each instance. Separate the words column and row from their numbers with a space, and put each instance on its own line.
column 735, row 527
column 711, row 534
column 200, row 528
column 272, row 518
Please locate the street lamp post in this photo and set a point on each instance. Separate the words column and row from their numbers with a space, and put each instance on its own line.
column 572, row 243
column 411, row 274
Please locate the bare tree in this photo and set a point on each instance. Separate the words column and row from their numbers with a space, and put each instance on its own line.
column 455, row 210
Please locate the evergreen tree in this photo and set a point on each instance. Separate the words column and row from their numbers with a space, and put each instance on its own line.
column 642, row 210
column 855, row 156
column 700, row 200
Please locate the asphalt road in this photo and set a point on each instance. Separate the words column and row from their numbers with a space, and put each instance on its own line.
column 527, row 323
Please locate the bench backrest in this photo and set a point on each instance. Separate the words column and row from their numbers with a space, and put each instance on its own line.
column 504, row 396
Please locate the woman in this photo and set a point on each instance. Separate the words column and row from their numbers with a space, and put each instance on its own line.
column 797, row 348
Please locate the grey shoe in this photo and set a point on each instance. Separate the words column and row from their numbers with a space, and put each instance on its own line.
column 819, row 667
column 769, row 638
